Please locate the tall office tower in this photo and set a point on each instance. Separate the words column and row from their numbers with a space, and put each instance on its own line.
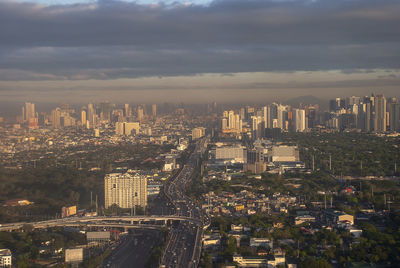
column 127, row 128
column 393, row 114
column 214, row 107
column 140, row 113
column 154, row 110
column 83, row 118
column 336, row 104
column 255, row 161
column 311, row 115
column 105, row 111
column 282, row 116
column 22, row 120
column 91, row 115
column 242, row 113
column 125, row 190
column 300, row 120
column 127, row 110
column 368, row 117
column 238, row 123
column 55, row 118
column 274, row 114
column 256, row 126
column 380, row 114
column 231, row 119
column 267, row 116
column 29, row 111
column 340, row 103
column 224, row 124
column 353, row 100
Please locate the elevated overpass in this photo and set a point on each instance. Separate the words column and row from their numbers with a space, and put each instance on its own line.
column 102, row 221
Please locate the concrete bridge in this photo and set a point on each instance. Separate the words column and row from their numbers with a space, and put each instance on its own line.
column 99, row 221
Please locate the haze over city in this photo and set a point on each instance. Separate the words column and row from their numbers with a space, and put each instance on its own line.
column 200, row 133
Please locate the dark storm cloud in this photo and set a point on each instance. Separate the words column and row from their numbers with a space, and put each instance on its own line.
column 112, row 39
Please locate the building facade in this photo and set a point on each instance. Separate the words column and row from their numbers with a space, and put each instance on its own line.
column 125, row 190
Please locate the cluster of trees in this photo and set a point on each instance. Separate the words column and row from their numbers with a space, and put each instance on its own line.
column 353, row 154
column 51, row 187
column 25, row 245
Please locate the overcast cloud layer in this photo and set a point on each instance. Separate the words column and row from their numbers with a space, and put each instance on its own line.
column 113, row 39
column 227, row 45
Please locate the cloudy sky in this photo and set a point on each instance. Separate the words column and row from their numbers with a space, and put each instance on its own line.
column 199, row 50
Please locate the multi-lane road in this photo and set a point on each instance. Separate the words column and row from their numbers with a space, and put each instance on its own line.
column 184, row 246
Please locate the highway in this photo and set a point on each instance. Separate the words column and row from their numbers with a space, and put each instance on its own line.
column 184, row 245
column 174, row 208
column 134, row 250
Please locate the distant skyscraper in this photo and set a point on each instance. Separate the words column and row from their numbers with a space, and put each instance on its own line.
column 127, row 128
column 105, row 111
column 140, row 113
column 231, row 120
column 380, row 114
column 154, row 110
column 267, row 116
column 83, row 118
column 257, row 129
column 353, row 100
column 127, row 110
column 91, row 115
column 300, row 120
column 125, row 190
column 56, row 118
column 28, row 112
column 394, row 113
column 282, row 116
column 224, row 124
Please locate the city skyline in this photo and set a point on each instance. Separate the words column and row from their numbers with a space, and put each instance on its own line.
column 197, row 51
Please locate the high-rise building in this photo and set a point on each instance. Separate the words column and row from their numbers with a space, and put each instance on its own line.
column 198, row 132
column 127, row 128
column 28, row 111
column 257, row 126
column 255, row 161
column 55, row 118
column 380, row 114
column 353, row 100
column 154, row 110
column 300, row 120
column 91, row 115
column 231, row 122
column 267, row 116
column 140, row 113
column 83, row 118
column 105, row 111
column 224, row 124
column 393, row 114
column 125, row 190
column 127, row 110
column 282, row 116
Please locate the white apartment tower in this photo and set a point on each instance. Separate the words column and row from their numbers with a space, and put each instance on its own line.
column 300, row 120
column 125, row 190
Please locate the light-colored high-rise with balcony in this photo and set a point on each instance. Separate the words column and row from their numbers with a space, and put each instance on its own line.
column 125, row 190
